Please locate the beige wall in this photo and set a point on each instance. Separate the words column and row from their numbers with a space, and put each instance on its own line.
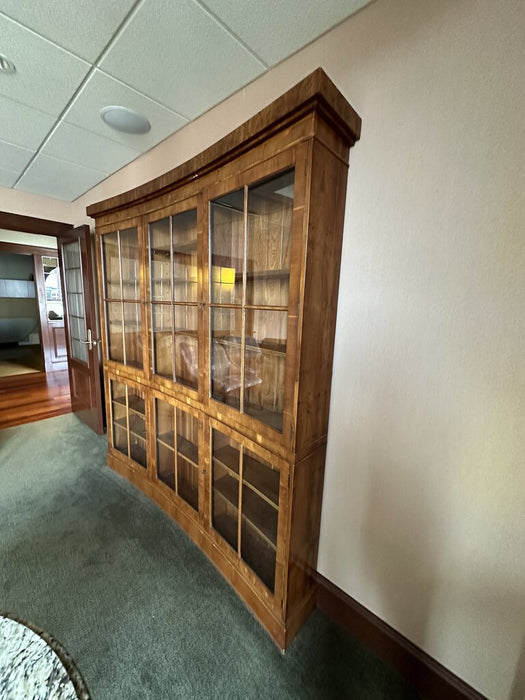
column 424, row 504
column 24, row 203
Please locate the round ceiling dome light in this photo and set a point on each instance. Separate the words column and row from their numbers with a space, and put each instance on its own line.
column 6, row 66
column 124, row 119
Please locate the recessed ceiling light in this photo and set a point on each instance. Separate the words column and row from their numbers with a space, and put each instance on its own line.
column 124, row 119
column 6, row 66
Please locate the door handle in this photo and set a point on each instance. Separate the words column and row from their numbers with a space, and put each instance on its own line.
column 90, row 342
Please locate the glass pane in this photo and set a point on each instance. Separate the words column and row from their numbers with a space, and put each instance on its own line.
column 270, row 209
column 185, row 256
column 225, row 481
column 114, row 331
column 137, row 426
column 188, row 458
column 226, row 330
column 119, row 417
column 227, row 248
column 111, row 265
column 260, row 510
column 75, row 300
column 53, row 288
column 129, row 252
column 186, row 346
column 160, row 260
column 133, row 334
column 165, row 443
column 162, row 324
column 264, row 365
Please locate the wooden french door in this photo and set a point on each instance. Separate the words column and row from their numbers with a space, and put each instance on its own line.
column 76, row 270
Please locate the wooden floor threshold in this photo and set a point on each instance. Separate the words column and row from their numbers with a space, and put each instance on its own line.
column 27, row 401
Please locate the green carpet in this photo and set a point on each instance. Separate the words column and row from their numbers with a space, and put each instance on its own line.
column 141, row 610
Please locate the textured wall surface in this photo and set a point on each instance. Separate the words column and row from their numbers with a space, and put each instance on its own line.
column 424, row 504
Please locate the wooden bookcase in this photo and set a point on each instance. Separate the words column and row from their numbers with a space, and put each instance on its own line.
column 218, row 287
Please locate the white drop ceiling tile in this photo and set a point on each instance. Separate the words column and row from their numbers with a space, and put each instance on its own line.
column 45, row 75
column 59, row 179
column 274, row 29
column 14, row 157
column 7, row 177
column 23, row 126
column 84, row 28
column 180, row 56
column 102, row 90
column 76, row 145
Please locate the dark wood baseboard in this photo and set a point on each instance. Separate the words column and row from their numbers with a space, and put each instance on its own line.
column 430, row 678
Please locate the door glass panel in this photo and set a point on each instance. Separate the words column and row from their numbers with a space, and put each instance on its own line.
column 133, row 334
column 186, row 345
column 114, row 331
column 129, row 252
column 137, row 425
column 174, row 293
column 160, row 260
column 226, row 354
column 227, row 248
column 259, row 504
column 188, row 458
column 165, row 443
column 178, row 452
column 162, row 322
column 260, row 510
column 119, row 417
column 74, row 300
column 264, row 365
column 111, row 260
column 270, row 208
column 122, row 297
column 184, row 228
column 225, row 482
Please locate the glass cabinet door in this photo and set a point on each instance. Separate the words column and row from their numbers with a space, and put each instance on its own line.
column 177, row 434
column 128, row 421
column 174, row 297
column 250, row 242
column 245, row 504
column 121, row 290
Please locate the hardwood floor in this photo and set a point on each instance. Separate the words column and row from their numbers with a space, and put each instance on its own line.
column 33, row 397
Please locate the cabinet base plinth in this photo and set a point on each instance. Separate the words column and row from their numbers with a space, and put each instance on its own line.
column 281, row 631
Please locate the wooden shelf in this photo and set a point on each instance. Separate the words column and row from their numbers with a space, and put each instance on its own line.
column 272, row 418
column 188, row 450
column 138, row 454
column 263, row 480
column 135, row 403
column 166, row 439
column 266, row 275
column 122, row 423
column 228, row 487
column 188, row 493
column 226, row 526
column 228, row 457
column 261, row 516
column 258, row 554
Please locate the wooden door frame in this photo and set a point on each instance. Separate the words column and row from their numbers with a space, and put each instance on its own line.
column 32, row 225
column 44, row 227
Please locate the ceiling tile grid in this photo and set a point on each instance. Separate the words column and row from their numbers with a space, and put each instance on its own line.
column 84, row 28
column 206, row 63
column 56, row 178
column 101, row 90
column 170, row 61
column 46, row 75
